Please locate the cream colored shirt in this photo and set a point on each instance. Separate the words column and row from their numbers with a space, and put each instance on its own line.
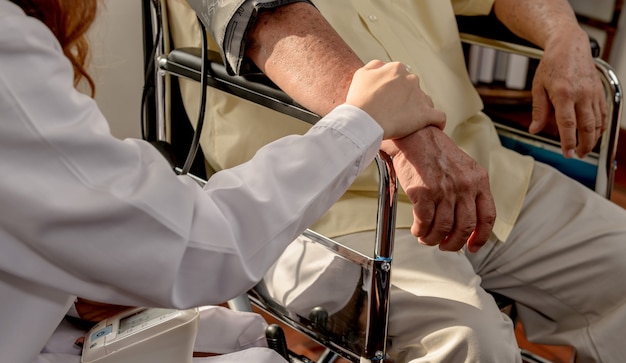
column 421, row 34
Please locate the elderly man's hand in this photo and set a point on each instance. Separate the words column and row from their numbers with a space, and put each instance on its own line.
column 567, row 88
column 452, row 202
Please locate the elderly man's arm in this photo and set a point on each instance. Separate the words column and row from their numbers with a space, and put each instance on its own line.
column 297, row 48
column 566, row 86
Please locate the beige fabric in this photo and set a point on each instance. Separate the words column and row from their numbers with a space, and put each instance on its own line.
column 419, row 33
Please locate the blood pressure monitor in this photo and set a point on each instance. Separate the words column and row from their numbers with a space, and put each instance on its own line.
column 143, row 335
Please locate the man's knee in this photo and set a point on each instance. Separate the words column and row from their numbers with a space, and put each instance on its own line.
column 460, row 334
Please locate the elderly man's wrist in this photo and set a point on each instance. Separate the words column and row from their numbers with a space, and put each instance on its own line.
column 389, row 147
column 395, row 146
column 570, row 32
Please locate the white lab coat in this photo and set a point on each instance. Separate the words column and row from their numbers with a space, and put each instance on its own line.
column 85, row 214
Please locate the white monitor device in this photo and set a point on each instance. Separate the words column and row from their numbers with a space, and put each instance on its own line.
column 143, row 335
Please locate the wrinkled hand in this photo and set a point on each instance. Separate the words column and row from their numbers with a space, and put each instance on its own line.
column 566, row 87
column 452, row 202
column 392, row 96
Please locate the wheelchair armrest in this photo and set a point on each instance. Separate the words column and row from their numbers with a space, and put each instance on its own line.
column 257, row 88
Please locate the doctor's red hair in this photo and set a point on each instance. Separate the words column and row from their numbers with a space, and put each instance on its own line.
column 68, row 20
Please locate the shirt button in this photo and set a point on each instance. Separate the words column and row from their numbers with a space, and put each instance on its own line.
column 373, row 17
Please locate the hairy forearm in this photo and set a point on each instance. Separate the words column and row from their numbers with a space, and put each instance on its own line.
column 539, row 21
column 297, row 49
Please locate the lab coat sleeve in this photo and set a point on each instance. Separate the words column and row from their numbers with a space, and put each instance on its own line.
column 107, row 219
column 228, row 23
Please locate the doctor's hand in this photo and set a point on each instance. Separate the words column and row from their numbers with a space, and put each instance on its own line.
column 392, row 96
column 567, row 88
column 452, row 201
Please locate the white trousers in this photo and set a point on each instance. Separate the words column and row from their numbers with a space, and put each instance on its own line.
column 563, row 263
